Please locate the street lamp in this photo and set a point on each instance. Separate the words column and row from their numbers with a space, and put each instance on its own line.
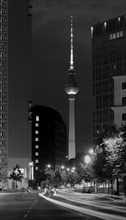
column 31, row 165
column 62, row 167
column 87, row 159
column 48, row 166
column 91, row 151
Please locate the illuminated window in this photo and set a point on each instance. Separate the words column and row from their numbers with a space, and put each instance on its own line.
column 36, row 132
column 116, row 35
column 36, row 146
column 121, row 33
column 36, row 124
column 36, row 153
column 37, row 118
column 37, row 161
column 36, row 139
column 36, row 168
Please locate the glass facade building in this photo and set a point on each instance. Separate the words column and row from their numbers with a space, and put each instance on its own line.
column 109, row 73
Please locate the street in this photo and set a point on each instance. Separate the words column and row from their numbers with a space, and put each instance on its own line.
column 64, row 204
column 20, row 206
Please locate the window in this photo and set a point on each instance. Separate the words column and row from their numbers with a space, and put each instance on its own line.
column 37, row 161
column 36, row 139
column 124, row 117
column 124, row 85
column 36, row 168
column 123, row 100
column 37, row 118
column 36, row 131
column 115, row 35
column 36, row 153
column 36, row 146
column 36, row 124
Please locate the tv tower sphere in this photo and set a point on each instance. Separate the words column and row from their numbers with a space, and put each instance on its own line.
column 71, row 88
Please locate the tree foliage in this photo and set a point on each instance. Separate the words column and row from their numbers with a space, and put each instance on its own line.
column 16, row 174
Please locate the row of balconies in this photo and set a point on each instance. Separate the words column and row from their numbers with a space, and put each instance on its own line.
column 3, row 2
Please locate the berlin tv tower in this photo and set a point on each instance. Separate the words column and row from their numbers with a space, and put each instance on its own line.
column 71, row 88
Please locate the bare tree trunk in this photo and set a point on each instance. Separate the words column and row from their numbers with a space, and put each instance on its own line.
column 111, row 186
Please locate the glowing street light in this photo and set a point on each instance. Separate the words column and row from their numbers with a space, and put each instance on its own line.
column 48, row 165
column 62, row 167
column 91, row 151
column 73, row 169
column 87, row 159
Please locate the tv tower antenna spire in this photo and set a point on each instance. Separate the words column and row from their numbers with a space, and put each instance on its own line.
column 71, row 46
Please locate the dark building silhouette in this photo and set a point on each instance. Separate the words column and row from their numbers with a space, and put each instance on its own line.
column 49, row 139
column 15, row 84
column 109, row 73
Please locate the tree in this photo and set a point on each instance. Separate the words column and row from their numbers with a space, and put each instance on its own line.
column 16, row 174
column 115, row 147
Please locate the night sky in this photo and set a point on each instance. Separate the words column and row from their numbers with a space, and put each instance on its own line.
column 51, row 56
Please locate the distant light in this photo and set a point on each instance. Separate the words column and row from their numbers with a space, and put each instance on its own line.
column 91, row 151
column 119, row 19
column 31, row 163
column 105, row 24
column 91, row 31
column 48, row 165
column 87, row 159
column 62, row 167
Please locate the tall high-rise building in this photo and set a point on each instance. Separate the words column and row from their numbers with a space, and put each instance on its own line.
column 109, row 73
column 15, row 83
column 49, row 138
column 71, row 88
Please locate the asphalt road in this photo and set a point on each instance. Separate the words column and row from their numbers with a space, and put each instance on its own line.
column 66, row 205
column 30, row 206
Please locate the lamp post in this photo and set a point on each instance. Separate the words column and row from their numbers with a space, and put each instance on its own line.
column 87, row 159
column 31, row 170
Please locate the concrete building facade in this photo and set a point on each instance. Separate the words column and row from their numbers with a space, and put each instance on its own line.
column 15, row 82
